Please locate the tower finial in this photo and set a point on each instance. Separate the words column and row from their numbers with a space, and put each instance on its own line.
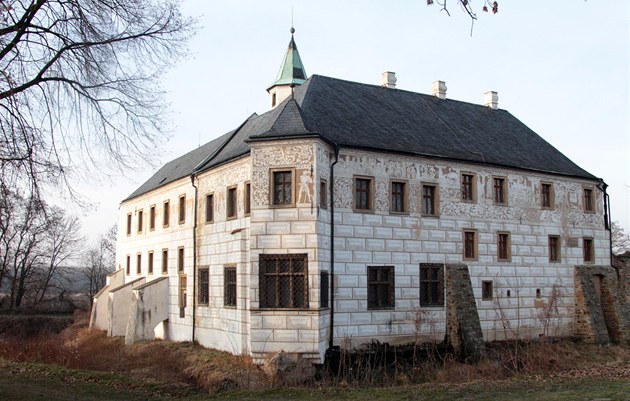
column 292, row 30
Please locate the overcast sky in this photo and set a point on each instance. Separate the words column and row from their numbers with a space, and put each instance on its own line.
column 561, row 67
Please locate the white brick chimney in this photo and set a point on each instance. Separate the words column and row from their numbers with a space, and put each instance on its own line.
column 388, row 79
column 491, row 99
column 439, row 89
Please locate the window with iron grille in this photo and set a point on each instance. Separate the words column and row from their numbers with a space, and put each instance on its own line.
column 546, row 195
column 363, row 194
column 587, row 248
column 182, row 209
column 503, row 246
column 152, row 218
column 229, row 286
column 468, row 187
column 588, row 200
column 204, row 286
column 398, row 201
column 554, row 248
column 499, row 190
column 282, row 188
column 209, row 208
column 431, row 284
column 283, row 281
column 380, row 287
column 429, row 200
column 323, row 290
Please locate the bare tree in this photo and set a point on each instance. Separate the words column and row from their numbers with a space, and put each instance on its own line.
column 79, row 83
column 620, row 240
column 100, row 261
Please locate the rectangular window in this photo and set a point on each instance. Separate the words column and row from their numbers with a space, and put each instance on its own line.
column 128, row 266
column 180, row 259
column 128, row 223
column 282, row 191
column 229, row 286
column 247, row 201
column 429, row 200
column 231, row 203
column 166, row 214
column 503, row 247
column 182, row 209
column 587, row 249
column 181, row 299
column 363, row 194
column 323, row 194
column 588, row 200
column 164, row 261
column 204, row 286
column 499, row 190
column 140, row 221
column 380, row 287
column 470, row 245
column 139, row 263
column 209, row 208
column 323, row 290
column 487, row 290
column 283, row 281
column 150, row 263
column 398, row 197
column 431, row 284
column 546, row 195
column 468, row 187
column 554, row 248
column 152, row 218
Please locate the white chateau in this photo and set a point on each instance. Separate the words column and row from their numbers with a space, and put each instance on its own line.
column 349, row 213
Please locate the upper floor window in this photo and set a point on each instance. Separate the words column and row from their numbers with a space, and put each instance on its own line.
column 283, row 281
column 499, row 191
column 128, row 223
column 398, row 197
column 587, row 250
column 247, row 199
column 128, row 265
column 231, row 205
column 152, row 218
column 166, row 214
column 486, row 290
column 139, row 263
column 282, row 191
column 180, row 259
column 150, row 262
column 468, row 187
column 164, row 261
column 503, row 247
column 470, row 245
column 589, row 203
column 363, row 189
column 431, row 284
column 554, row 248
column 209, row 208
column 140, row 221
column 380, row 287
column 429, row 199
column 323, row 194
column 546, row 195
column 182, row 209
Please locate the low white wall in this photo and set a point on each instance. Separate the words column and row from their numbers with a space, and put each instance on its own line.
column 149, row 307
column 118, row 307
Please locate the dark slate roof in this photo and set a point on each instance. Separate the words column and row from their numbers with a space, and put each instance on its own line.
column 371, row 117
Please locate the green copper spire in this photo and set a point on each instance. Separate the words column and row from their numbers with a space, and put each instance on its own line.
column 292, row 70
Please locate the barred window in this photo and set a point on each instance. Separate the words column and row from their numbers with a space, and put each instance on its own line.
column 229, row 286
column 380, row 287
column 282, row 188
column 323, row 290
column 431, row 284
column 204, row 286
column 503, row 247
column 398, row 197
column 363, row 194
column 468, row 187
column 283, row 281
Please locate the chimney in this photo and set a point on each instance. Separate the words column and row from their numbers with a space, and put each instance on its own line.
column 439, row 89
column 388, row 79
column 491, row 99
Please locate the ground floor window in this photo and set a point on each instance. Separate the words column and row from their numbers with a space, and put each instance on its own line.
column 204, row 286
column 229, row 286
column 431, row 284
column 283, row 281
column 380, row 287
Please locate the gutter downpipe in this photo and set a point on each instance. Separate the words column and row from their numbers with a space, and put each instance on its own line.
column 608, row 221
column 194, row 311
column 332, row 246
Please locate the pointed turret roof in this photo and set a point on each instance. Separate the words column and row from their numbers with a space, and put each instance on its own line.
column 292, row 70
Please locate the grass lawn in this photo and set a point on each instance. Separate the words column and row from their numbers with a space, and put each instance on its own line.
column 27, row 382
